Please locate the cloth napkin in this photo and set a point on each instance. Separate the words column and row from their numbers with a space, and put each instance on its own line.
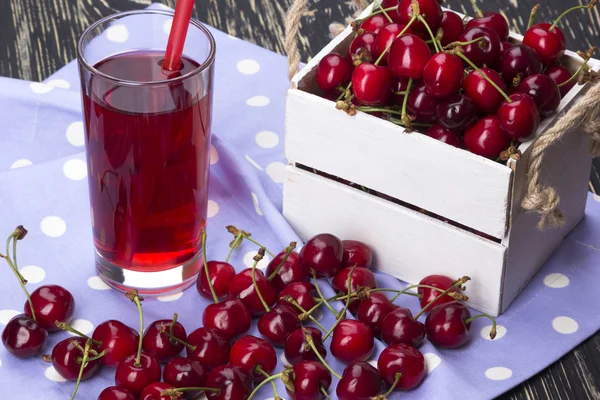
column 43, row 185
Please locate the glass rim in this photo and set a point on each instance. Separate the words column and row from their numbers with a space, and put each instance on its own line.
column 124, row 82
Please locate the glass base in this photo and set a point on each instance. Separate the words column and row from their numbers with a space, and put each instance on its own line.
column 160, row 283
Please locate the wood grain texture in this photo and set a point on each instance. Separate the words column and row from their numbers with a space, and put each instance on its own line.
column 38, row 36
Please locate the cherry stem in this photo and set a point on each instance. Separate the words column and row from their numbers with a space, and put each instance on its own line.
column 405, row 100
column 493, row 330
column 304, row 312
column 259, row 256
column 210, row 286
column 18, row 234
column 314, row 274
column 435, row 44
column 385, row 12
column 324, row 391
column 84, row 360
column 456, row 284
column 135, row 298
column 176, row 339
column 483, row 74
column 533, row 14
column 172, row 327
column 582, row 67
column 378, row 109
column 478, row 12
column 309, row 340
column 288, row 251
column 261, row 371
column 397, row 378
column 97, row 357
column 345, row 309
column 176, row 391
column 234, row 245
column 402, row 32
column 259, row 245
column 65, row 327
column 456, row 44
column 561, row 16
column 263, row 383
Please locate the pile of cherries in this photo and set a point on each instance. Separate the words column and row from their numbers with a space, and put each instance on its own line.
column 463, row 84
column 226, row 363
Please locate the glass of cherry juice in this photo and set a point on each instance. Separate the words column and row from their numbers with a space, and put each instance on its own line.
column 147, row 137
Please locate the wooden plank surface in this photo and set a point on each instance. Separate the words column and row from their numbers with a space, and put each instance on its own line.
column 38, row 36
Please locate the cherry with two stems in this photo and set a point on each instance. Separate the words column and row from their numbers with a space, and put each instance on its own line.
column 296, row 347
column 84, row 366
column 67, row 357
column 286, row 268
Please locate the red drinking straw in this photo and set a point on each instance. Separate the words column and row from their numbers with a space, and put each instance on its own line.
column 181, row 21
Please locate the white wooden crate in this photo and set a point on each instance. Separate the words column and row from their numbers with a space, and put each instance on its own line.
column 418, row 172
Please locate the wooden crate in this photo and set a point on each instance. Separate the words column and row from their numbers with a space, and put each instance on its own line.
column 488, row 236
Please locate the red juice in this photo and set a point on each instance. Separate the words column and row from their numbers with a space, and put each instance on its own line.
column 148, row 146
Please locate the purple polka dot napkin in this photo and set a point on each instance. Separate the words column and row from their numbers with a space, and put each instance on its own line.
column 43, row 185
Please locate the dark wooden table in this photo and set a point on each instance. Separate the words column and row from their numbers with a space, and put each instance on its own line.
column 38, row 36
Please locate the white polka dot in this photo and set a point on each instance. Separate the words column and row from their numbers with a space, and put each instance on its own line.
column 213, row 209
column 167, row 26
column 53, row 226
column 82, row 325
column 214, row 156
column 267, row 139
column 256, row 206
column 33, row 273
column 500, row 332
column 249, row 260
column 565, row 325
column 75, row 169
column 248, row 67
column 0, row 363
column 254, row 163
column 258, row 101
column 170, row 297
column 40, row 88
column 117, row 33
column 96, row 283
column 556, row 281
column 373, row 363
column 498, row 373
column 6, row 315
column 59, row 83
column 53, row 375
column 432, row 361
column 23, row 162
column 276, row 170
column 75, row 134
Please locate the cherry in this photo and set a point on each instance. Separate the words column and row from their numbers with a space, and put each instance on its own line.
column 242, row 287
column 66, row 359
column 445, row 135
column 253, row 354
column 352, row 340
column 559, row 75
column 118, row 339
column 491, row 20
column 485, row 52
column 422, row 105
column 386, row 37
column 428, row 295
column 184, row 372
column 430, row 10
column 404, row 359
column 356, row 253
column 486, row 138
column 233, row 383
column 399, row 326
column 211, row 349
column 360, row 381
column 399, row 85
column 363, row 48
column 301, row 292
column 374, row 23
column 457, row 112
column 221, row 274
column 519, row 119
column 452, row 26
column 23, row 337
column 504, row 46
column 323, row 254
column 544, row 92
column 308, row 378
column 446, row 325
column 153, row 391
column 486, row 97
column 116, row 393
column 519, row 62
column 372, row 84
column 443, row 74
column 135, row 377
column 277, row 324
column 333, row 71
column 373, row 309
column 156, row 344
column 230, row 318
column 394, row 15
column 291, row 271
column 51, row 303
column 296, row 349
column 549, row 44
column 360, row 278
column 408, row 56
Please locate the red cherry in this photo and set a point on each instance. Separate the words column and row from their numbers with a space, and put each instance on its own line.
column 183, row 372
column 429, row 9
column 230, row 318
column 486, row 52
column 333, row 71
column 356, row 253
column 212, row 350
column 363, row 48
column 404, row 359
column 277, row 324
column 560, row 74
column 242, row 287
column 544, row 92
column 399, row 326
column 153, row 391
column 249, row 352
column 457, row 112
column 66, row 359
column 374, row 23
column 422, row 105
column 23, row 337
column 135, row 378
column 486, row 138
column 428, row 295
column 221, row 274
column 550, row 45
column 408, row 56
column 452, row 26
column 504, row 46
column 373, row 309
column 118, row 339
column 361, row 278
column 360, row 381
column 519, row 62
column 392, row 13
column 352, row 340
column 322, row 253
column 156, row 344
column 445, row 325
column 51, row 303
column 116, row 393
column 443, row 74
column 386, row 37
column 486, row 97
column 296, row 349
column 372, row 84
column 302, row 292
column 291, row 271
column 520, row 118
column 445, row 135
column 491, row 20
column 233, row 383
column 309, row 377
